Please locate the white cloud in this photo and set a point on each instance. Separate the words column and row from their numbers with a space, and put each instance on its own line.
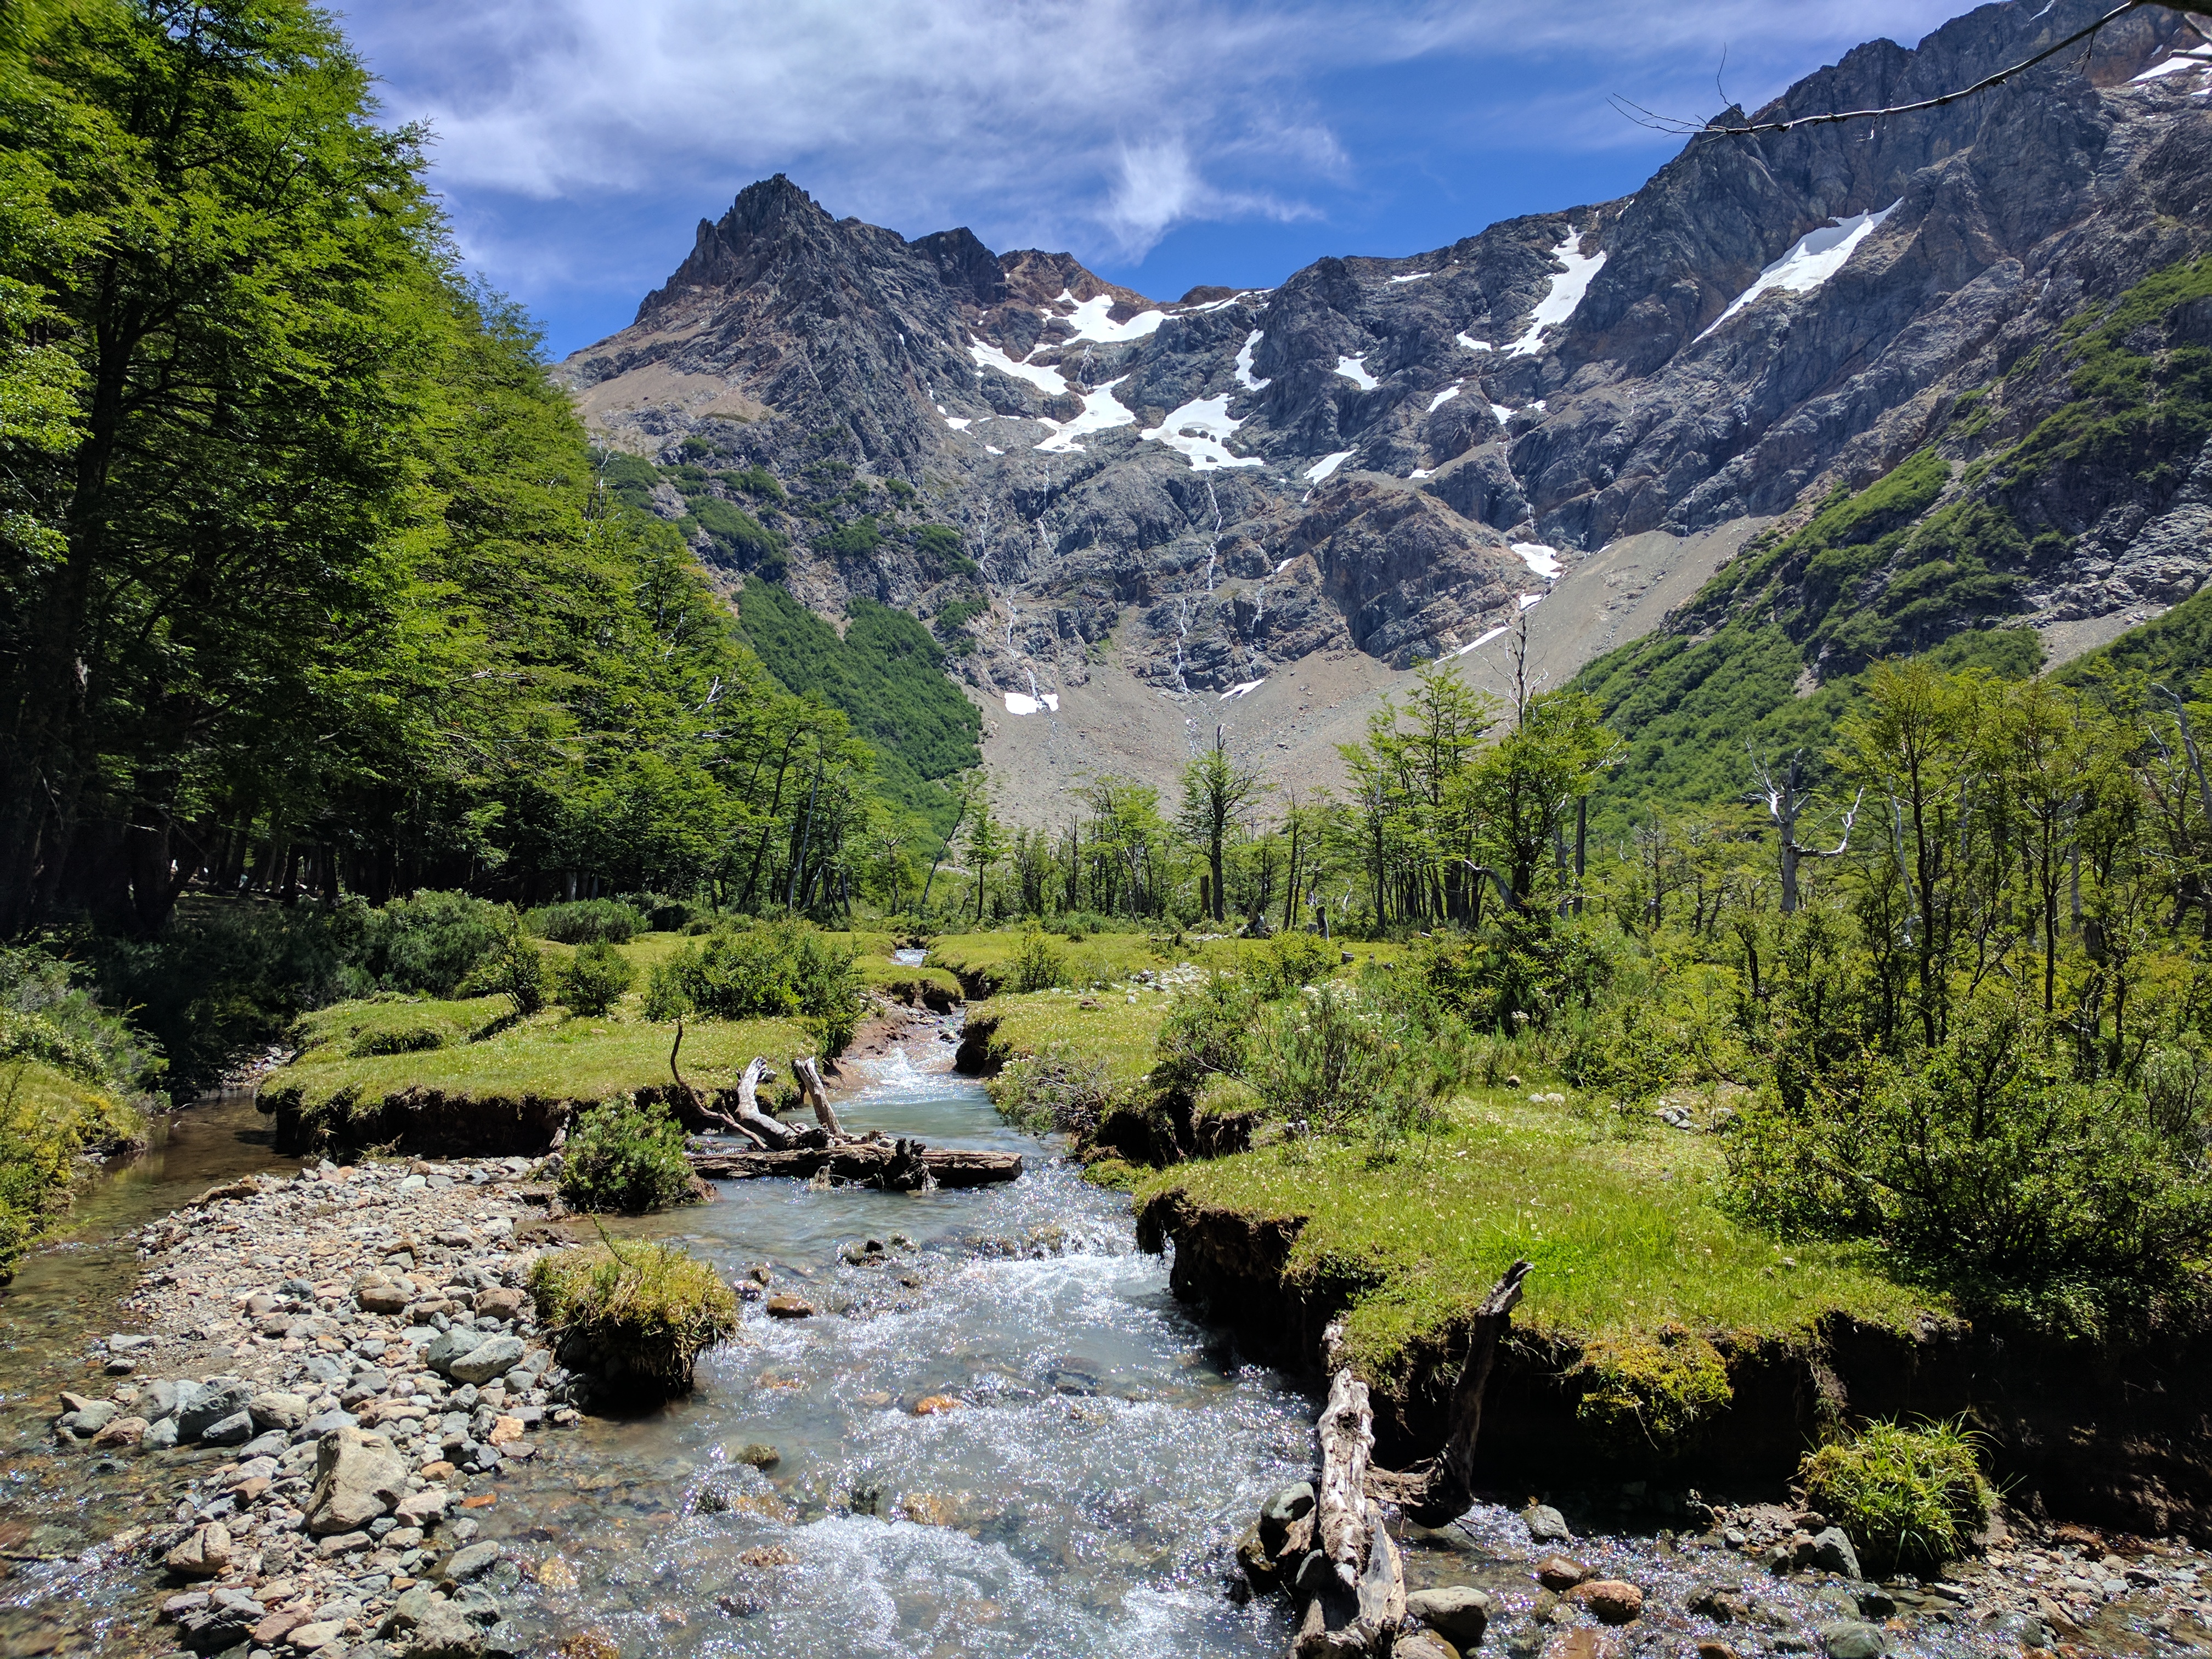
column 1098, row 126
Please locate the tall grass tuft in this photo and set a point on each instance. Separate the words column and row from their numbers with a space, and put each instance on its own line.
column 635, row 1318
column 1908, row 1497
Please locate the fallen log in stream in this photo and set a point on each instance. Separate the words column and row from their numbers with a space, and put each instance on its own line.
column 900, row 1166
column 1352, row 1582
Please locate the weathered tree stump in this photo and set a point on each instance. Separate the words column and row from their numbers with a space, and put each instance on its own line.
column 1439, row 1489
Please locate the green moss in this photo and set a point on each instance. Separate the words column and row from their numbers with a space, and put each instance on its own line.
column 48, row 1119
column 1651, row 1390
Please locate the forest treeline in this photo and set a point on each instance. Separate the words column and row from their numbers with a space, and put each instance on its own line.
column 308, row 581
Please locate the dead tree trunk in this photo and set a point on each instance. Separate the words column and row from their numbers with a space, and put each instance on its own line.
column 809, row 1078
column 1358, row 1598
column 779, row 1137
column 692, row 1110
column 1440, row 1489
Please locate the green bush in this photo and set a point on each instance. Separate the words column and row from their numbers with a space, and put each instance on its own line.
column 587, row 921
column 514, row 969
column 662, row 915
column 1038, row 966
column 1062, row 1090
column 429, row 942
column 45, row 1014
column 593, row 980
column 625, row 1157
column 634, row 1316
column 770, row 970
column 1291, row 962
column 1330, row 1060
column 1985, row 1164
column 1906, row 1497
column 1206, row 1034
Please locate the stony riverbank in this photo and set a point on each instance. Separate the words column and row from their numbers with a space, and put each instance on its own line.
column 335, row 1369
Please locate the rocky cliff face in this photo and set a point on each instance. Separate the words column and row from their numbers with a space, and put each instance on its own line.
column 1396, row 457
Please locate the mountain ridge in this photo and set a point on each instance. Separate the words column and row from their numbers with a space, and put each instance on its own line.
column 1392, row 458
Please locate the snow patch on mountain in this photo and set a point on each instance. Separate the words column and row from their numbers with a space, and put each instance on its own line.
column 1812, row 259
column 1101, row 410
column 1200, row 430
column 1566, row 292
column 1444, row 396
column 1354, row 369
column 1045, row 379
column 1320, row 470
column 1244, row 375
column 1091, row 322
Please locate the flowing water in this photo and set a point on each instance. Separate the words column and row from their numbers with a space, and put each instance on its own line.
column 1082, row 1497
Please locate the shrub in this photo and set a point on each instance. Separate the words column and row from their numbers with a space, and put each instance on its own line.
column 1983, row 1162
column 779, row 970
column 1038, row 966
column 1290, row 963
column 587, row 921
column 514, row 969
column 626, row 1158
column 45, row 1014
column 1525, row 963
column 1207, row 1033
column 1061, row 1089
column 635, row 1316
column 593, row 980
column 1906, row 1497
column 662, row 915
column 1651, row 1390
column 1329, row 1058
column 430, row 942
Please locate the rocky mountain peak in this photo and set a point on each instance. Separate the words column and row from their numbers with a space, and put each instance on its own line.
column 1162, row 504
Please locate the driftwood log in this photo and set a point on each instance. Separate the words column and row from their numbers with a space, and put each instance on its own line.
column 894, row 1166
column 1439, row 1489
column 1354, row 1582
column 808, row 1076
column 764, row 1129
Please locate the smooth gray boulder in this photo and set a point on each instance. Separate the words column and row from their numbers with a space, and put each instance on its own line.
column 358, row 1478
column 1458, row 1613
column 494, row 1357
column 218, row 1398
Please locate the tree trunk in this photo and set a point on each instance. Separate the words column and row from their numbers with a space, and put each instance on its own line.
column 779, row 1136
column 1360, row 1601
column 809, row 1078
column 1440, row 1489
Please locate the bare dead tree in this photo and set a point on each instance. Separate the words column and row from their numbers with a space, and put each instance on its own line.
column 1784, row 802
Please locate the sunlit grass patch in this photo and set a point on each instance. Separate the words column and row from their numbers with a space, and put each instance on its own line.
column 1621, row 1226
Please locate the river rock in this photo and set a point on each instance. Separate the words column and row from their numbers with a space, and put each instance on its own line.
column 89, row 1417
column 204, row 1554
column 1546, row 1525
column 1724, row 1604
column 1587, row 1643
column 1422, row 1644
column 493, row 1357
column 320, row 1633
column 499, row 1303
column 1559, row 1573
column 160, row 1398
column 1261, row 1570
column 1850, row 1638
column 232, row 1430
column 1459, row 1613
column 472, row 1562
column 122, row 1432
column 227, row 1621
column 381, row 1296
column 359, row 1477
column 159, row 1436
column 273, row 1410
column 420, row 1509
column 1614, row 1600
column 936, row 1405
column 784, row 1305
column 450, row 1345
column 1829, row 1551
column 757, row 1455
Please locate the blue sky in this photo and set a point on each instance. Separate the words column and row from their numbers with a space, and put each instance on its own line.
column 1165, row 143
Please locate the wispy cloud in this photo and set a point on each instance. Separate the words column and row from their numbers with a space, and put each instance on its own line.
column 1101, row 125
